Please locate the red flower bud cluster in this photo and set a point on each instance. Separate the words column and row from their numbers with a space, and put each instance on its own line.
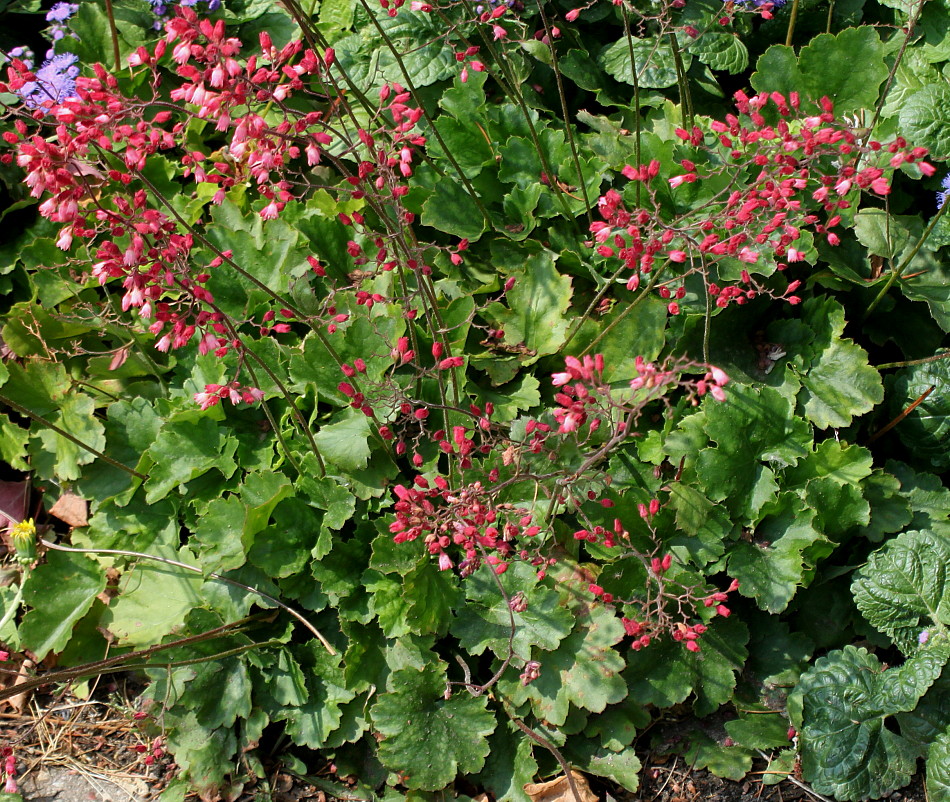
column 655, row 620
column 467, row 520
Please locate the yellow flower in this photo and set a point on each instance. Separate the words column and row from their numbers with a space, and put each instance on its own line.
column 24, row 541
column 23, row 531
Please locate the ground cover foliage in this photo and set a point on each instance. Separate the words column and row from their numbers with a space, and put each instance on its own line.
column 454, row 387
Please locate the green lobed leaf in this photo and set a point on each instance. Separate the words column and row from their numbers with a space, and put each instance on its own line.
column 770, row 568
column 881, row 233
column 388, row 603
column 781, row 766
column 837, row 381
column 729, row 762
column 536, row 313
column 285, row 547
column 432, row 595
column 55, row 455
column 759, row 730
column 219, row 534
column 890, row 509
column 226, row 531
column 755, row 433
column 848, row 67
column 346, row 444
column 13, row 440
column 335, row 17
column 622, row 767
column 929, row 498
column 452, row 209
column 312, row 722
column 135, row 618
column 584, row 671
column 472, row 151
column 203, row 754
column 840, row 508
column 59, row 591
column 510, row 764
column 640, row 332
column 617, row 726
column 665, row 673
column 777, row 71
column 428, row 738
column 217, row 691
column 930, row 283
column 188, row 445
column 904, row 588
column 701, row 525
column 273, row 258
column 841, row 462
column 485, row 622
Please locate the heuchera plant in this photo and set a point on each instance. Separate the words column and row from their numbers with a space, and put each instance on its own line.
column 444, row 428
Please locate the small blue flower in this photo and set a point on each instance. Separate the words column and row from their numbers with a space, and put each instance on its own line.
column 61, row 12
column 942, row 196
column 24, row 54
column 55, row 81
column 162, row 8
column 759, row 3
column 923, row 637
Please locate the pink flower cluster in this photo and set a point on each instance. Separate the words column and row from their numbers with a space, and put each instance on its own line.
column 213, row 394
column 583, row 389
column 9, row 770
column 785, row 177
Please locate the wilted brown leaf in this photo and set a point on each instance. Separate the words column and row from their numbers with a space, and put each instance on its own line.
column 71, row 509
column 559, row 790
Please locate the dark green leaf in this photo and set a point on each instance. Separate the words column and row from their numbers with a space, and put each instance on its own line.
column 432, row 596
column 904, row 587
column 665, row 673
column 755, row 434
column 921, row 119
column 846, row 749
column 730, row 762
column 938, row 767
column 655, row 66
column 771, row 567
column 510, row 764
column 535, row 316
